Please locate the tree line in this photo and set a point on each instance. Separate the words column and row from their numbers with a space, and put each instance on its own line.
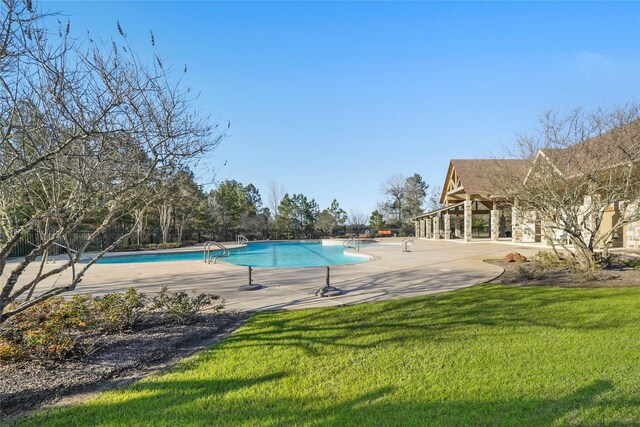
column 232, row 208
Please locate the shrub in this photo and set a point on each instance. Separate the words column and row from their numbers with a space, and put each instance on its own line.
column 593, row 274
column 52, row 329
column 546, row 261
column 182, row 307
column 117, row 312
column 526, row 273
column 48, row 330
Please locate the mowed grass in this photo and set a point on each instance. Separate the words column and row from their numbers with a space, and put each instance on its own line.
column 487, row 355
column 632, row 262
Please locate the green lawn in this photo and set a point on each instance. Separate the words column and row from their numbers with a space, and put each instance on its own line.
column 632, row 262
column 487, row 355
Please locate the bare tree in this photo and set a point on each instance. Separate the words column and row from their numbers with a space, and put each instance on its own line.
column 357, row 221
column 584, row 169
column 275, row 196
column 85, row 132
column 140, row 221
column 394, row 188
column 326, row 223
column 433, row 198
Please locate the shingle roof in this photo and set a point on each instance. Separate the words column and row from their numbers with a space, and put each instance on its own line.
column 476, row 174
column 617, row 146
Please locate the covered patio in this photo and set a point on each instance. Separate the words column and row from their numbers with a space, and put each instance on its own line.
column 471, row 210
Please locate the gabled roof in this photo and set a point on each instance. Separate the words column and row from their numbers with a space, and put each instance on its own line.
column 610, row 149
column 475, row 174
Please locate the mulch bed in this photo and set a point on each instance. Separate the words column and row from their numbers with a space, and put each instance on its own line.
column 115, row 360
column 618, row 275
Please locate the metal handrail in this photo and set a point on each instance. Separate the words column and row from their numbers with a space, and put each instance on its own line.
column 241, row 239
column 407, row 239
column 352, row 243
column 206, row 248
column 405, row 242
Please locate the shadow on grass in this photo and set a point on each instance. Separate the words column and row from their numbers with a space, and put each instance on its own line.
column 410, row 323
column 205, row 403
column 444, row 317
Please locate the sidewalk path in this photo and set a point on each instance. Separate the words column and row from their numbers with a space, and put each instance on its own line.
column 429, row 267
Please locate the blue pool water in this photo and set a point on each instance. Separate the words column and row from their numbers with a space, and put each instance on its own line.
column 260, row 254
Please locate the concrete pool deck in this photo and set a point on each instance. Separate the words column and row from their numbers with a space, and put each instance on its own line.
column 430, row 267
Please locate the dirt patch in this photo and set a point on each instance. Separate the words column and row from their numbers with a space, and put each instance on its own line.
column 116, row 360
column 525, row 274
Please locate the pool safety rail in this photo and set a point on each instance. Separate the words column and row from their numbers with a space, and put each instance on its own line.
column 352, row 243
column 241, row 239
column 328, row 290
column 405, row 242
column 211, row 246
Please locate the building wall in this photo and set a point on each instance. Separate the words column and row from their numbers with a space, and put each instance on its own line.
column 629, row 235
column 528, row 226
column 632, row 235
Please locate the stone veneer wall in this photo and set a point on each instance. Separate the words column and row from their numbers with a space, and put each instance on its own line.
column 516, row 226
column 528, row 227
column 495, row 224
column 632, row 233
column 447, row 226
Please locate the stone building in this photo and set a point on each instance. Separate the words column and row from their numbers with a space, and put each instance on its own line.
column 473, row 209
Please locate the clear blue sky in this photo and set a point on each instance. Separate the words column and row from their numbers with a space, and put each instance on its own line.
column 329, row 99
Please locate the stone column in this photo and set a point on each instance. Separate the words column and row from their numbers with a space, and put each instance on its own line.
column 436, row 227
column 428, row 224
column 416, row 225
column 516, row 225
column 631, row 237
column 447, row 226
column 456, row 225
column 495, row 223
column 468, row 217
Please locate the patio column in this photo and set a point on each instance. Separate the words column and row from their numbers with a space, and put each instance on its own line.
column 495, row 223
column 436, row 227
column 447, row 226
column 468, row 217
column 427, row 223
column 423, row 224
column 456, row 225
column 416, row 227
column 516, row 223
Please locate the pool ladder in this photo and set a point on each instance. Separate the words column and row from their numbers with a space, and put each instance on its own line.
column 352, row 243
column 209, row 257
column 241, row 239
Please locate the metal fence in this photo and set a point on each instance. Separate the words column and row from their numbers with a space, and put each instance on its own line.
column 30, row 240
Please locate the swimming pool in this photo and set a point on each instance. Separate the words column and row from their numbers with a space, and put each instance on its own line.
column 259, row 254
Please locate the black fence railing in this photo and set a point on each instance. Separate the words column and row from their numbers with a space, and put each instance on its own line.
column 103, row 240
column 154, row 237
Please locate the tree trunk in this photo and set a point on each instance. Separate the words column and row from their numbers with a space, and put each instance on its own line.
column 165, row 221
